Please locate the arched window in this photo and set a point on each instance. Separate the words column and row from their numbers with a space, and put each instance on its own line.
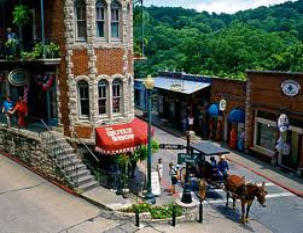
column 117, row 95
column 100, row 18
column 115, row 19
column 102, row 97
column 83, row 98
column 80, row 9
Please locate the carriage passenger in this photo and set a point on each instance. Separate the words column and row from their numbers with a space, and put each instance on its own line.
column 223, row 167
column 214, row 168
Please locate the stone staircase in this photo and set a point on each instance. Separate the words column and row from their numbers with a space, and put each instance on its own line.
column 68, row 161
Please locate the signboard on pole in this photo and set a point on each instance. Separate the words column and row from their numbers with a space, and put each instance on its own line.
column 187, row 158
column 155, row 184
column 222, row 105
column 172, row 146
column 283, row 123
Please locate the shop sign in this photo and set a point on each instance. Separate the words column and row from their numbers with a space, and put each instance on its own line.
column 283, row 123
column 285, row 149
column 18, row 77
column 171, row 146
column 290, row 87
column 222, row 105
column 190, row 120
column 120, row 134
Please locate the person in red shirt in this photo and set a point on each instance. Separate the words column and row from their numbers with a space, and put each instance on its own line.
column 21, row 108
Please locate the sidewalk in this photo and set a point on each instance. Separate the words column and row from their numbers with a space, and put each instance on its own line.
column 274, row 174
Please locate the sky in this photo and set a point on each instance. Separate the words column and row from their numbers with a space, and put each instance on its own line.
column 218, row 6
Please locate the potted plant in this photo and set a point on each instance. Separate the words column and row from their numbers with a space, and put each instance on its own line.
column 52, row 50
column 11, row 46
column 21, row 15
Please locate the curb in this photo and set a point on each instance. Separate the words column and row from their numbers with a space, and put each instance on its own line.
column 296, row 192
column 61, row 186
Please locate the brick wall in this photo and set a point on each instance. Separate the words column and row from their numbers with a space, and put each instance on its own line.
column 83, row 131
column 54, row 29
column 109, row 61
column 80, row 62
column 264, row 93
column 231, row 90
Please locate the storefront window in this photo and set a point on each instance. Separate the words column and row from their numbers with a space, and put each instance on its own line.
column 266, row 136
column 117, row 89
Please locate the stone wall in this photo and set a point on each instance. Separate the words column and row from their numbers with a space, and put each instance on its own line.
column 28, row 148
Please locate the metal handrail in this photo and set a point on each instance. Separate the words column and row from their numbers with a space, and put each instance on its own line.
column 87, row 148
column 62, row 165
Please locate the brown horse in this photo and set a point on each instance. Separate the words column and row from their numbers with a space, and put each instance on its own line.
column 245, row 192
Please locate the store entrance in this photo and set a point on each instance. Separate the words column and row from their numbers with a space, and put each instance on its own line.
column 294, row 140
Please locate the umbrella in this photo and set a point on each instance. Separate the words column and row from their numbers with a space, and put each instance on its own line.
column 213, row 110
column 236, row 116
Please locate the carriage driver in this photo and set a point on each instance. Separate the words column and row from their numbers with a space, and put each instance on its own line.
column 223, row 167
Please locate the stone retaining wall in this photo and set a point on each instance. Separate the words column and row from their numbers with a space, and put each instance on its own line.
column 28, row 148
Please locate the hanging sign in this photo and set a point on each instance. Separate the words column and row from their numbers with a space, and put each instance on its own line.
column 290, row 87
column 18, row 77
column 222, row 105
column 285, row 149
column 190, row 120
column 283, row 123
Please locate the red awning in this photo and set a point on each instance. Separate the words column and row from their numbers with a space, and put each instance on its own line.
column 117, row 139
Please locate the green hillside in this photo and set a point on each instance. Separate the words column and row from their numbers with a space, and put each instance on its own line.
column 225, row 45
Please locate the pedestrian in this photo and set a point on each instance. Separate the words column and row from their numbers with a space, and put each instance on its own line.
column 10, row 34
column 12, row 41
column 223, row 167
column 160, row 170
column 21, row 109
column 173, row 176
column 7, row 108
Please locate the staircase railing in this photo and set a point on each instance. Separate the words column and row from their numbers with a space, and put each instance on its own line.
column 59, row 157
column 108, row 179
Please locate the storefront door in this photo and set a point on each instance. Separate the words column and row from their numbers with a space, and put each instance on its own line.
column 52, row 106
column 294, row 140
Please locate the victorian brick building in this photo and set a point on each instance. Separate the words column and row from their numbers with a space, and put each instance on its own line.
column 93, row 83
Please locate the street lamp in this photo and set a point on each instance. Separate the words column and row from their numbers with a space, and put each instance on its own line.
column 186, row 196
column 149, row 85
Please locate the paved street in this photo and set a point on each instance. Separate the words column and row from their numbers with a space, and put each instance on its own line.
column 284, row 211
column 29, row 204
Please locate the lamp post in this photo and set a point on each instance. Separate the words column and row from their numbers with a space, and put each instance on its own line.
column 149, row 85
column 186, row 196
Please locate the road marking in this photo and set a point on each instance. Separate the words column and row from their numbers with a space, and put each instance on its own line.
column 285, row 194
column 259, row 184
column 269, row 196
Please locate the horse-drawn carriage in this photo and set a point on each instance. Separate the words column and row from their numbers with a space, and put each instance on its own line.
column 235, row 186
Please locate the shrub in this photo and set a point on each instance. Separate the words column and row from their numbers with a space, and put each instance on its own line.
column 157, row 212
